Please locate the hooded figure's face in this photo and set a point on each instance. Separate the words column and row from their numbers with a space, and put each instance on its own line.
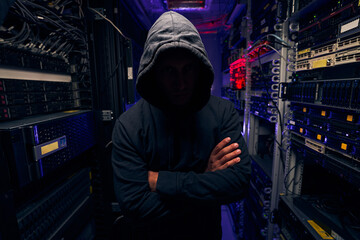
column 177, row 73
column 175, row 84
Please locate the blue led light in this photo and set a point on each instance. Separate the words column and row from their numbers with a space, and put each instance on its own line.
column 41, row 168
column 36, row 134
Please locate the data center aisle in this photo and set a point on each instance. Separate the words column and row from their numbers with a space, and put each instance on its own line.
column 227, row 224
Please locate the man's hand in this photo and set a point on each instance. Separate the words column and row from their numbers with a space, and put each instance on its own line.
column 223, row 156
column 152, row 178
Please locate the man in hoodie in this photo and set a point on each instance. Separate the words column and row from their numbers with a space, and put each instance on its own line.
column 176, row 153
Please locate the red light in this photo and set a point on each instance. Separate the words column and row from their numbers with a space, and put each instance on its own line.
column 238, row 74
column 258, row 50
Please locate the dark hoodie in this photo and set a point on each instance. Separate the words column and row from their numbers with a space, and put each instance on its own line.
column 150, row 136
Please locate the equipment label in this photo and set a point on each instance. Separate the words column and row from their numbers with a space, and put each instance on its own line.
column 349, row 26
column 318, row 137
column 319, row 230
column 304, row 51
column 349, row 118
column 320, row 63
column 343, row 146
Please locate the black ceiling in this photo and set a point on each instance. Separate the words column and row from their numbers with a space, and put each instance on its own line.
column 209, row 19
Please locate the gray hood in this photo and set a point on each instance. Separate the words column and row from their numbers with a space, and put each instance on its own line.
column 172, row 30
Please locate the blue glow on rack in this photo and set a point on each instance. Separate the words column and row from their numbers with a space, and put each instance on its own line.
column 41, row 168
column 36, row 134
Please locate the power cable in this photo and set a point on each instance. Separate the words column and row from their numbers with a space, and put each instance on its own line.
column 101, row 15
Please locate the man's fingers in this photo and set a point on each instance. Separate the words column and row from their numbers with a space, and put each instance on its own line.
column 229, row 163
column 227, row 150
column 221, row 145
column 230, row 156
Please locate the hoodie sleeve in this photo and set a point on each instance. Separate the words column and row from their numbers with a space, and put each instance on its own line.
column 222, row 186
column 131, row 180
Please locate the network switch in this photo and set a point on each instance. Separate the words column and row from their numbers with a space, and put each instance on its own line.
column 344, row 43
column 347, row 56
column 304, row 54
column 350, row 70
column 324, row 50
column 318, row 62
column 341, row 44
column 37, row 146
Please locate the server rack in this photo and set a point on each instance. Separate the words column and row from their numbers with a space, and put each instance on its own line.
column 309, row 105
column 234, row 69
column 323, row 123
column 47, row 122
column 265, row 110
